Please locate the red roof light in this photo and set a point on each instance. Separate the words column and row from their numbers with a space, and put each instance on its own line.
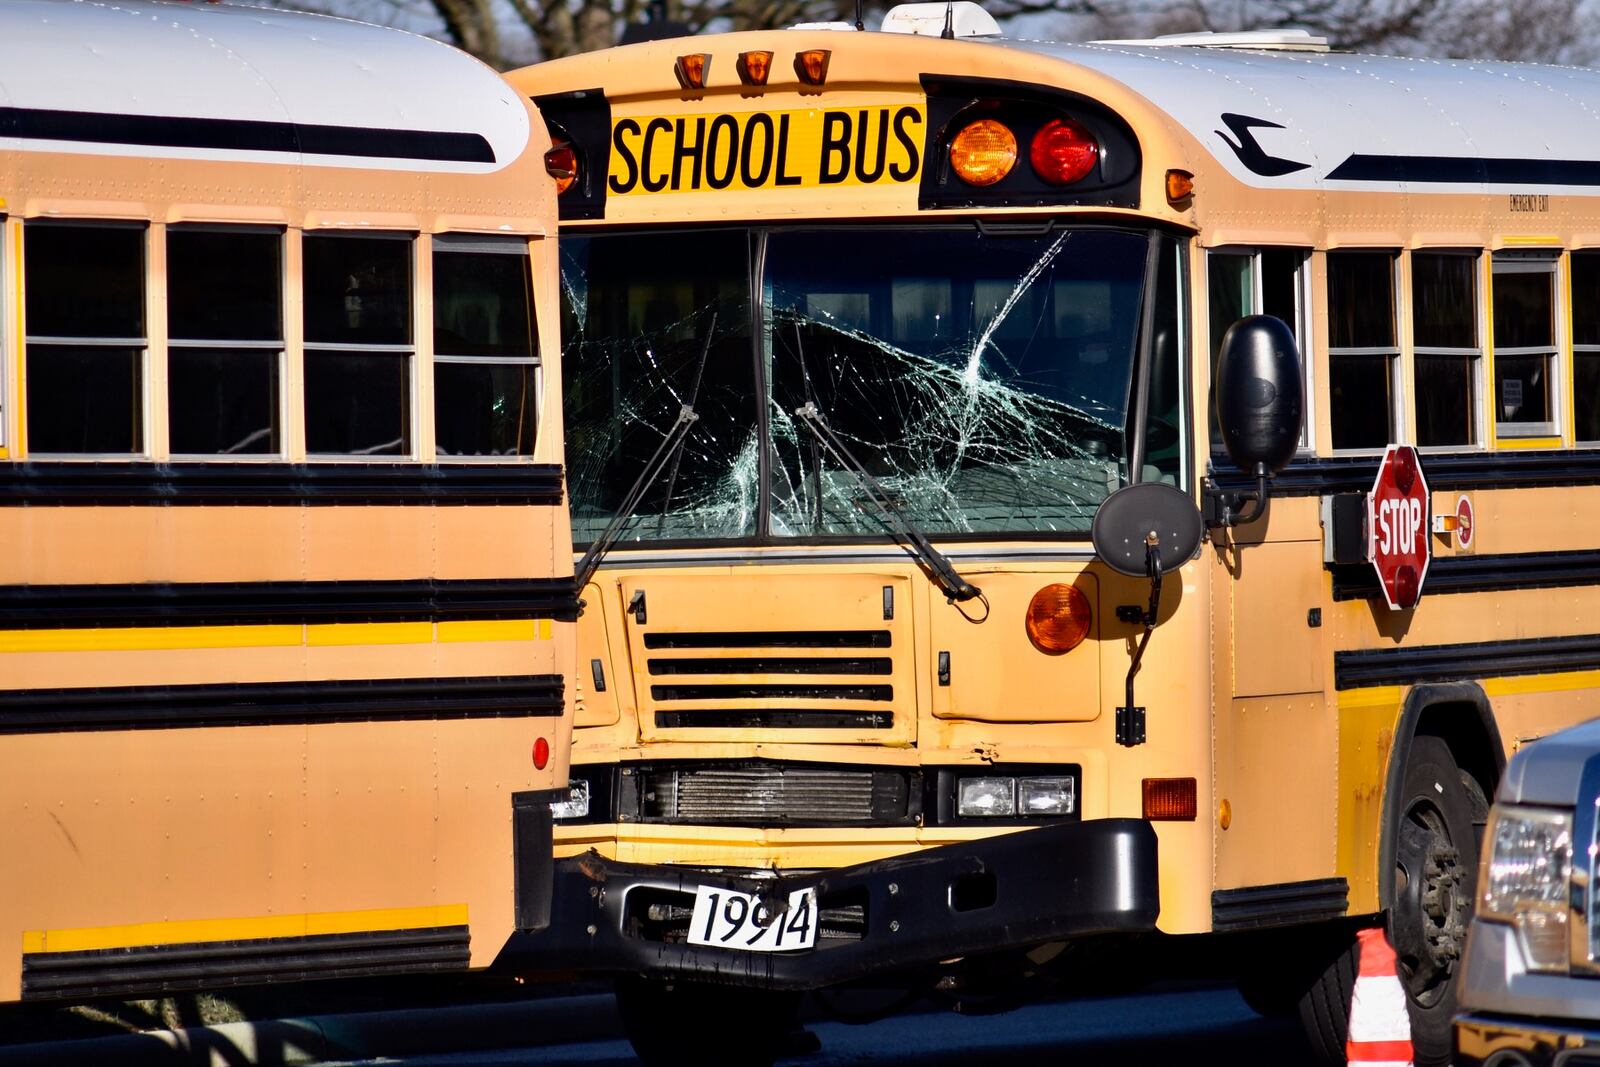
column 1063, row 152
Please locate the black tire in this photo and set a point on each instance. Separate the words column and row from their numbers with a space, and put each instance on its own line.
column 1436, row 857
column 1268, row 998
column 691, row 1024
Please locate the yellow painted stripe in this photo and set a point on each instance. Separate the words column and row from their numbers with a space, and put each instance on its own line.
column 147, row 638
column 500, row 630
column 370, row 633
column 1519, row 685
column 153, row 638
column 1513, row 443
column 1376, row 697
column 1533, row 239
column 190, row 931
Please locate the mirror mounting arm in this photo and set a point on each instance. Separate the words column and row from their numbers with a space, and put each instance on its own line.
column 1225, row 509
column 1131, row 717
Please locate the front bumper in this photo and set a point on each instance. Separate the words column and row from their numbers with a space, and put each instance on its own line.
column 1494, row 1041
column 1004, row 892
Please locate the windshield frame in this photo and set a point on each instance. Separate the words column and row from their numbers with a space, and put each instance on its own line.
column 760, row 232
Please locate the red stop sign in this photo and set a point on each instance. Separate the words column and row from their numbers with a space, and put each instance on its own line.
column 1398, row 520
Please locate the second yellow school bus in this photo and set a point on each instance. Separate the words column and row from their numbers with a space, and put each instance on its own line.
column 863, row 331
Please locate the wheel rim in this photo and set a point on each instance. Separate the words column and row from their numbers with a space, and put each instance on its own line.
column 1431, row 903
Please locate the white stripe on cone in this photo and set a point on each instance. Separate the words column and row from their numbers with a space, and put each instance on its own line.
column 1380, row 1025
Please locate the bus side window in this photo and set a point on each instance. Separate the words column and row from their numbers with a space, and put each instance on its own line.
column 358, row 344
column 1525, row 365
column 86, row 338
column 1444, row 324
column 485, row 352
column 1267, row 281
column 1586, row 346
column 225, row 340
column 1363, row 349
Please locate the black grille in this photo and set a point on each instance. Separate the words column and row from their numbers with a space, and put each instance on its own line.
column 774, row 719
column 773, row 794
column 775, row 665
column 772, row 639
column 757, row 691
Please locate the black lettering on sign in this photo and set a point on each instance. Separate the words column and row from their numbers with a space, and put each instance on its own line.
column 724, row 131
column 1530, row 201
column 835, row 148
column 863, row 122
column 754, row 179
column 625, row 154
column 651, row 128
column 912, row 145
column 782, row 177
column 685, row 149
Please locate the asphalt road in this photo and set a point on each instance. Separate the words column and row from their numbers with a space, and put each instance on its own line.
column 1208, row 1025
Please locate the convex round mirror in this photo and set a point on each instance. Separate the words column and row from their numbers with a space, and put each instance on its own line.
column 1126, row 519
column 1259, row 392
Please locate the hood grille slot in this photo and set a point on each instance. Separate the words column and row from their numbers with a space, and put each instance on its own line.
column 775, row 795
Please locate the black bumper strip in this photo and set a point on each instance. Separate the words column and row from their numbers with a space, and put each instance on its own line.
column 1322, row 475
column 990, row 895
column 1482, row 574
column 254, row 603
column 158, row 969
column 327, row 484
column 1483, row 659
column 1279, row 905
column 38, row 711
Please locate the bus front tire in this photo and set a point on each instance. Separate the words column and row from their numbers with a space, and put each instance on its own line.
column 693, row 1024
column 1436, row 859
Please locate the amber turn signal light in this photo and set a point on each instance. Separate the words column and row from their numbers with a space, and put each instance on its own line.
column 692, row 70
column 754, row 67
column 1169, row 799
column 983, row 152
column 561, row 163
column 1058, row 619
column 1180, row 187
column 811, row 66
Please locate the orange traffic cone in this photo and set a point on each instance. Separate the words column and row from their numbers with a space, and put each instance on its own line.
column 1380, row 1028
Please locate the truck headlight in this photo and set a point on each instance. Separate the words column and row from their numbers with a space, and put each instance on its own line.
column 1046, row 796
column 986, row 796
column 1527, row 880
column 1031, row 797
column 576, row 806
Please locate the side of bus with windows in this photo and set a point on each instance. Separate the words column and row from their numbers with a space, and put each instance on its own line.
column 286, row 621
column 891, row 427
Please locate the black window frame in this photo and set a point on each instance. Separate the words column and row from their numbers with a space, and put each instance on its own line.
column 1473, row 355
column 1390, row 352
column 1546, row 263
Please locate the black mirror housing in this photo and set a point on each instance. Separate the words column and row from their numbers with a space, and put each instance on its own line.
column 1260, row 394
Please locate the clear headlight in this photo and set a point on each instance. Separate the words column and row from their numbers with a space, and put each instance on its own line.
column 1045, row 796
column 986, row 796
column 1527, row 877
column 576, row 806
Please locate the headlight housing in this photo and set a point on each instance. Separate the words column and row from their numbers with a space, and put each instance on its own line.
column 1031, row 796
column 576, row 805
column 1527, row 880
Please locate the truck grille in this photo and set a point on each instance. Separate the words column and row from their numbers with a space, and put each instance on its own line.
column 774, row 794
column 783, row 690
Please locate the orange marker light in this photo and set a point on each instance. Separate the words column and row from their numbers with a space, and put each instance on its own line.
column 1058, row 619
column 692, row 70
column 1169, row 799
column 754, row 67
column 983, row 152
column 811, row 66
column 541, row 754
column 1180, row 187
column 561, row 163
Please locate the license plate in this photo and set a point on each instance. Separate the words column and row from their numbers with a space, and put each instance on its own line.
column 727, row 919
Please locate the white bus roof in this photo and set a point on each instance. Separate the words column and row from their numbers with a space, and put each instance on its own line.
column 224, row 82
column 1296, row 119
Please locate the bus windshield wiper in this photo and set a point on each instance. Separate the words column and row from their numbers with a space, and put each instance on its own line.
column 671, row 448
column 942, row 572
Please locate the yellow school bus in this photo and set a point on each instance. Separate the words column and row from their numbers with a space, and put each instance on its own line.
column 287, row 617
column 868, row 331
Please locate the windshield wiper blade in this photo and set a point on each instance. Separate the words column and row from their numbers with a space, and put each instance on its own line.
column 942, row 572
column 676, row 435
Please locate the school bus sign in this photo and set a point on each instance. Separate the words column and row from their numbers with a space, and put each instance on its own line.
column 761, row 150
column 1398, row 518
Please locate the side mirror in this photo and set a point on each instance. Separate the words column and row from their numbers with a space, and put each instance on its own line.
column 1260, row 408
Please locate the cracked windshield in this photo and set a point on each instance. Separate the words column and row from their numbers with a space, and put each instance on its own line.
column 983, row 380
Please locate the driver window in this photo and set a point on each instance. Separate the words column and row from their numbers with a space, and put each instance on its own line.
column 1261, row 281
